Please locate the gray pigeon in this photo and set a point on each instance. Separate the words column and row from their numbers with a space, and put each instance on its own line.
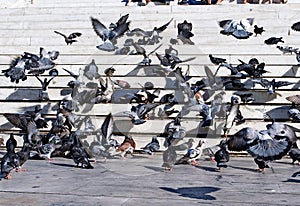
column 108, row 36
column 151, row 147
column 91, row 71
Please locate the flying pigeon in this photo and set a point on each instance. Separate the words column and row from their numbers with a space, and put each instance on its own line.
column 17, row 69
column 192, row 155
column 258, row 30
column 153, row 34
column 273, row 40
column 238, row 29
column 151, row 147
column 71, row 38
column 184, row 30
column 222, row 156
column 141, row 51
column 271, row 85
column 108, row 36
column 287, row 49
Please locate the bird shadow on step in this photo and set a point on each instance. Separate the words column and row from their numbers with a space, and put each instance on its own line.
column 194, row 192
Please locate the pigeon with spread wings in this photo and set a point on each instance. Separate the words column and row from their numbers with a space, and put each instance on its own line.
column 70, row 38
column 238, row 29
column 265, row 145
column 272, row 85
column 108, row 36
column 152, row 34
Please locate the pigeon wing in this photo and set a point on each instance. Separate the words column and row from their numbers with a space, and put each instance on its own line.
column 270, row 149
column 107, row 127
column 294, row 99
column 18, row 120
column 99, row 28
column 122, row 20
column 74, row 35
column 241, row 140
column 119, row 30
column 163, row 27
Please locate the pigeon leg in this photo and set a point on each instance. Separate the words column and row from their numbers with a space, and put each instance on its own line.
column 8, row 176
column 260, row 170
column 212, row 159
column 195, row 163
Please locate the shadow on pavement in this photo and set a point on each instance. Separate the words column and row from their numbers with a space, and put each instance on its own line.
column 194, row 192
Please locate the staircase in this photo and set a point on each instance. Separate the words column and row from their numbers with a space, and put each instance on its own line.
column 25, row 26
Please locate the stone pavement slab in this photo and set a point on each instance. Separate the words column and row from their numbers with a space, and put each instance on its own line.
column 139, row 180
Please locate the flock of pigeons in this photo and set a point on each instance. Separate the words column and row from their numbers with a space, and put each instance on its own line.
column 67, row 136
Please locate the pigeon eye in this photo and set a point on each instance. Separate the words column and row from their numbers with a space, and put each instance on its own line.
column 282, row 132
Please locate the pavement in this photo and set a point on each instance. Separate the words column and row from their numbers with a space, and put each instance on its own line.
column 139, row 180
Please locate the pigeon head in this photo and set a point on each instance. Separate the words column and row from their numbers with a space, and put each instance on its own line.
column 109, row 71
column 280, row 130
column 235, row 100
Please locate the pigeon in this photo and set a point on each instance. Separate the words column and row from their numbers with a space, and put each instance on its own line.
column 233, row 114
column 151, row 147
column 71, row 38
column 44, row 62
column 139, row 113
column 271, row 85
column 273, row 40
column 108, row 36
column 10, row 159
column 238, row 29
column 23, row 156
column 258, row 30
column 264, row 145
column 45, row 83
column 294, row 153
column 184, row 30
column 17, row 70
column 192, row 155
column 127, row 146
column 21, row 120
column 287, row 49
column 91, row 71
column 296, row 26
column 79, row 153
column 141, row 51
column 216, row 60
column 222, row 156
column 171, row 60
column 153, row 34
